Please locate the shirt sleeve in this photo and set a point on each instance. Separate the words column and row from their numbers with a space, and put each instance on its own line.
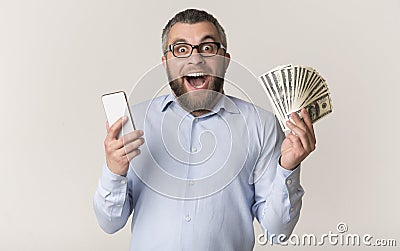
column 278, row 193
column 112, row 201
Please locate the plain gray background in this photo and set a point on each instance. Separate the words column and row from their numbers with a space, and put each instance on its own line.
column 58, row 57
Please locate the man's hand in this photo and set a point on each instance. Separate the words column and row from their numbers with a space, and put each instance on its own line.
column 299, row 143
column 120, row 151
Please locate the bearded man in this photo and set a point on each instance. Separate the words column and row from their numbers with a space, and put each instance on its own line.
column 208, row 163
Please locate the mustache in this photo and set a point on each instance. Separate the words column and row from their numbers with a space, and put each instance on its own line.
column 180, row 77
column 172, row 76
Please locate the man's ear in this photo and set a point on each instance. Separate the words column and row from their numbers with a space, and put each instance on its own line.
column 227, row 60
column 164, row 61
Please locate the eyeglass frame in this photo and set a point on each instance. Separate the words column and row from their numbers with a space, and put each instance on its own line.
column 218, row 44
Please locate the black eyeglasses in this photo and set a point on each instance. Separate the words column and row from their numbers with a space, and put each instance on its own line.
column 184, row 50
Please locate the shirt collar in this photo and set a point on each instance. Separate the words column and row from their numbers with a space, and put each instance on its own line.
column 168, row 100
column 224, row 102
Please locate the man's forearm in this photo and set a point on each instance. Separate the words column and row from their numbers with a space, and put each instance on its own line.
column 111, row 202
column 281, row 211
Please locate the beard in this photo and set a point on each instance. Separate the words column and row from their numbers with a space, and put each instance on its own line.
column 197, row 100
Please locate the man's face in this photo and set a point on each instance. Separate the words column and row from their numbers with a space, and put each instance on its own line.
column 196, row 79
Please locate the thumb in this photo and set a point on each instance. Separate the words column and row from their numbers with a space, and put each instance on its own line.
column 107, row 126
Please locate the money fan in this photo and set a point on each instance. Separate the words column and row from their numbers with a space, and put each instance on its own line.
column 291, row 88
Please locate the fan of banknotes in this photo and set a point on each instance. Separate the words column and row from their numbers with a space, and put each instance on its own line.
column 291, row 88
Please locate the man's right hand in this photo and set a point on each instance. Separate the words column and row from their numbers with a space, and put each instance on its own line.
column 119, row 152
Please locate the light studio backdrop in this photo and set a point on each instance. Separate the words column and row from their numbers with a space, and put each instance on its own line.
column 58, row 57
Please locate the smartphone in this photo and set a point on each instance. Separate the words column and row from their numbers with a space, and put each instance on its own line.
column 116, row 105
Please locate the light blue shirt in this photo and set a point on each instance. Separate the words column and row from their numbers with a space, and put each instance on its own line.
column 200, row 181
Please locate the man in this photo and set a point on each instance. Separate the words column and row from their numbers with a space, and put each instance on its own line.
column 211, row 162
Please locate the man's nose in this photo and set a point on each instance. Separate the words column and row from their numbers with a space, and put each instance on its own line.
column 196, row 57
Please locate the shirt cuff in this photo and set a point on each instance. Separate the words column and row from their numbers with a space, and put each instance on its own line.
column 288, row 179
column 111, row 181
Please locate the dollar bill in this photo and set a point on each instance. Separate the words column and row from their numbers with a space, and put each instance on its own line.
column 319, row 108
column 293, row 87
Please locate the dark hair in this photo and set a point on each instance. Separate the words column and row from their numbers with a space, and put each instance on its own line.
column 191, row 16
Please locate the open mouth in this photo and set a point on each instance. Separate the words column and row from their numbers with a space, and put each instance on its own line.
column 196, row 81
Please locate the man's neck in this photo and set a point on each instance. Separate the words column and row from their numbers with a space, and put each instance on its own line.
column 199, row 113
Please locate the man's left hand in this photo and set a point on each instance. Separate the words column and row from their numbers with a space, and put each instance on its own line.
column 299, row 143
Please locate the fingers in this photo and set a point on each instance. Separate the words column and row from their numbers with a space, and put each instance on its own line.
column 300, row 123
column 300, row 142
column 113, row 131
column 127, row 139
column 307, row 121
column 304, row 129
column 132, row 143
column 295, row 140
column 130, row 137
column 128, row 152
column 132, row 154
column 300, row 135
column 119, row 152
column 127, row 149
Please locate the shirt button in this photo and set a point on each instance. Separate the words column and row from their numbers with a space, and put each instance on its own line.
column 187, row 218
column 194, row 149
column 123, row 182
column 118, row 205
column 191, row 182
column 288, row 181
column 291, row 209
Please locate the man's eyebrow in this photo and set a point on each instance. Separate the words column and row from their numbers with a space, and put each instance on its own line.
column 208, row 37
column 182, row 40
column 179, row 40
